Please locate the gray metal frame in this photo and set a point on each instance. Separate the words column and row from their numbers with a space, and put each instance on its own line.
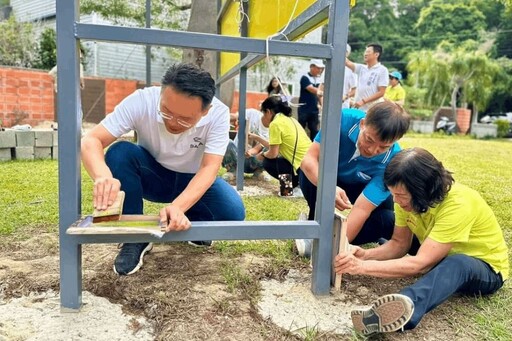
column 70, row 31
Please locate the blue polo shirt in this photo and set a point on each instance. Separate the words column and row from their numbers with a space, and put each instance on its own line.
column 360, row 169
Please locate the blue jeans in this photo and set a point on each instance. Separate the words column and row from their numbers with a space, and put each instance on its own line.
column 142, row 177
column 455, row 274
column 251, row 164
column 380, row 223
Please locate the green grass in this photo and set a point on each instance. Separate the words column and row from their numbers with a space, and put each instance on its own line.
column 29, row 200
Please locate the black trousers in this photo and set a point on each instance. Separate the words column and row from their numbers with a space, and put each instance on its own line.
column 280, row 165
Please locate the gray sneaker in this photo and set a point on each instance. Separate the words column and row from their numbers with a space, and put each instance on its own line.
column 304, row 247
column 388, row 313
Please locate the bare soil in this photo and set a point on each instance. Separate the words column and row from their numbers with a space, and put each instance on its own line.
column 181, row 291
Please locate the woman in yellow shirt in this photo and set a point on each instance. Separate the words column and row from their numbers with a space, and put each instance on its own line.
column 462, row 246
column 288, row 142
column 395, row 92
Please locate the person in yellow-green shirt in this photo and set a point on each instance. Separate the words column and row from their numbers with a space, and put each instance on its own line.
column 288, row 141
column 395, row 92
column 462, row 246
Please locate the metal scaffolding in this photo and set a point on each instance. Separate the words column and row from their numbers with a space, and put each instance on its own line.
column 69, row 33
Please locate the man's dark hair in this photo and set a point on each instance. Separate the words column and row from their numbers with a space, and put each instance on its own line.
column 424, row 177
column 389, row 120
column 190, row 80
column 376, row 48
column 275, row 104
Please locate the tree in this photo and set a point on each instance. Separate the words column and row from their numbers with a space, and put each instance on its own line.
column 47, row 50
column 456, row 74
column 17, row 46
column 449, row 22
column 168, row 14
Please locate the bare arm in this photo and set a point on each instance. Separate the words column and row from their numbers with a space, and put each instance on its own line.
column 309, row 166
column 357, row 260
column 93, row 158
column 174, row 213
column 351, row 65
column 372, row 98
column 358, row 216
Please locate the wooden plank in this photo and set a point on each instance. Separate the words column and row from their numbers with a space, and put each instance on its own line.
column 127, row 224
column 340, row 244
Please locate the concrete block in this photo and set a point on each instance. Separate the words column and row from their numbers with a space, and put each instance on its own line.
column 25, row 139
column 481, row 130
column 424, row 127
column 44, row 138
column 5, row 154
column 24, row 153
column 42, row 152
column 7, row 139
column 55, row 138
column 55, row 153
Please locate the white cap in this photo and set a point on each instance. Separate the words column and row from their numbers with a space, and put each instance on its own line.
column 349, row 49
column 317, row 63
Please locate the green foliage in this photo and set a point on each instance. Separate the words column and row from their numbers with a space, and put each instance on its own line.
column 17, row 45
column 503, row 127
column 456, row 22
column 47, row 50
column 164, row 13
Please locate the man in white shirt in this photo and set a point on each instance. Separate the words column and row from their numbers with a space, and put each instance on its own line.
column 372, row 78
column 182, row 131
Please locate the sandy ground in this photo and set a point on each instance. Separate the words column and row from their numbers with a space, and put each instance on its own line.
column 38, row 317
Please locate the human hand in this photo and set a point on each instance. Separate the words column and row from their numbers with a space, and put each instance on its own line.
column 104, row 192
column 174, row 219
column 358, row 104
column 251, row 152
column 259, row 157
column 349, row 261
column 341, row 201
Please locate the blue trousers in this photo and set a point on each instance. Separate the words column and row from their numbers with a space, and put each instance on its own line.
column 142, row 177
column 251, row 164
column 380, row 223
column 454, row 274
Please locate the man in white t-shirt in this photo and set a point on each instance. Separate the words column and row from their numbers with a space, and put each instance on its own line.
column 256, row 138
column 182, row 131
column 373, row 78
column 349, row 83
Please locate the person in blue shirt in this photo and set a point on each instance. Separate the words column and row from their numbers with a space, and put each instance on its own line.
column 367, row 144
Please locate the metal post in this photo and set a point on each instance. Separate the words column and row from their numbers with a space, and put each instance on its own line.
column 148, row 47
column 70, row 124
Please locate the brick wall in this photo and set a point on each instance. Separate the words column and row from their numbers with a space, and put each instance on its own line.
column 27, row 97
column 25, row 94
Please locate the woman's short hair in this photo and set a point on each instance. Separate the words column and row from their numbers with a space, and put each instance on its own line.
column 424, row 177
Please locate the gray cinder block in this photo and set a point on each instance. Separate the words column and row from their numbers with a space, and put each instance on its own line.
column 25, row 139
column 7, row 139
column 24, row 153
column 5, row 154
column 44, row 138
column 42, row 152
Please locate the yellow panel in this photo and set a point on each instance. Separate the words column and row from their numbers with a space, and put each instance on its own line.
column 266, row 17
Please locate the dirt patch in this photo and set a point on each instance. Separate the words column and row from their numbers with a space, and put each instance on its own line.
column 182, row 293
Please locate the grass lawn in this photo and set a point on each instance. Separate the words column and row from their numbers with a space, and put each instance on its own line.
column 29, row 198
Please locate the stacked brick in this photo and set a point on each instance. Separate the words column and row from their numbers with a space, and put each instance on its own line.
column 28, row 145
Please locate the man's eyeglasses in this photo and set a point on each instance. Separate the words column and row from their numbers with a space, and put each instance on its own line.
column 169, row 117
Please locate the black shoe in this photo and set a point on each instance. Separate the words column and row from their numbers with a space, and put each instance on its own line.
column 129, row 259
column 201, row 243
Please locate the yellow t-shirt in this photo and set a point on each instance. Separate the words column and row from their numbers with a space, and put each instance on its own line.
column 395, row 93
column 466, row 221
column 282, row 132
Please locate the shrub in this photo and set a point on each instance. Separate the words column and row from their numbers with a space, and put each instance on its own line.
column 503, row 127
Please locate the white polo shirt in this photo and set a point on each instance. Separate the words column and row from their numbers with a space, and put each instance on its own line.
column 349, row 82
column 253, row 119
column 370, row 79
column 178, row 152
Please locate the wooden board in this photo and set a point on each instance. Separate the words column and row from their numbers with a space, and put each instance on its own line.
column 340, row 244
column 127, row 224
